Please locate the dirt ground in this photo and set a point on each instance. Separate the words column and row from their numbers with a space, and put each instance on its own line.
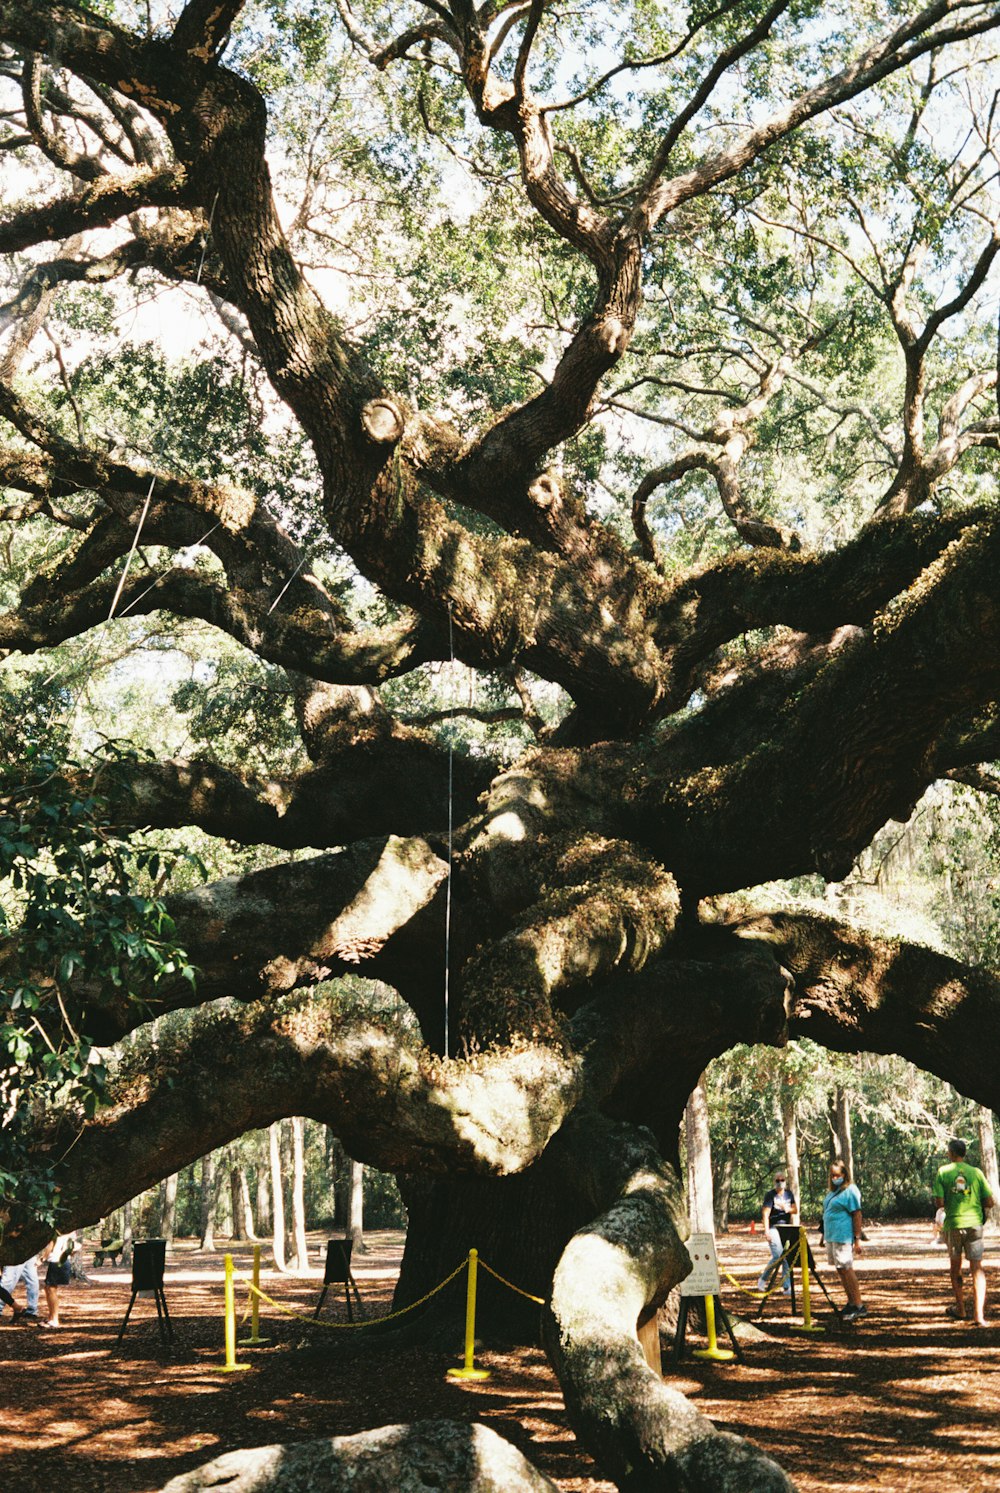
column 906, row 1401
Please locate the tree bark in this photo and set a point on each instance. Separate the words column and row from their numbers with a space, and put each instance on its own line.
column 239, row 1202
column 356, row 1207
column 262, row 1170
column 988, row 1157
column 841, row 1144
column 168, row 1212
column 612, row 1273
column 277, row 1197
column 300, row 1256
column 698, row 1148
column 790, row 1132
column 246, row 1207
column 207, row 1202
column 127, row 1239
column 723, row 1189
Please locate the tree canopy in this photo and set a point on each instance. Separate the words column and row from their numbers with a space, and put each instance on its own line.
column 488, row 490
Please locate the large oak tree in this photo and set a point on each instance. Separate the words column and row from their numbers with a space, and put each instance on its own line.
column 651, row 381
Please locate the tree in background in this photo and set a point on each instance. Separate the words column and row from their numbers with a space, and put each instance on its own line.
column 623, row 377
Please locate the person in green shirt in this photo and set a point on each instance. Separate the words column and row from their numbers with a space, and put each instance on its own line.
column 965, row 1195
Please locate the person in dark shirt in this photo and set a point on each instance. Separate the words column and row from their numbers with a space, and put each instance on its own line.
column 779, row 1207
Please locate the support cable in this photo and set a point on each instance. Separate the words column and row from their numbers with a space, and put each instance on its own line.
column 447, row 902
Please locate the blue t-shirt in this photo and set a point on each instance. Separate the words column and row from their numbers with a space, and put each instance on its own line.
column 838, row 1205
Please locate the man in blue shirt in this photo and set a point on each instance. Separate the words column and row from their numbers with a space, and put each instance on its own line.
column 842, row 1223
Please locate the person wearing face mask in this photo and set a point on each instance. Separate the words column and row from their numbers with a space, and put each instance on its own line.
column 842, row 1224
column 779, row 1207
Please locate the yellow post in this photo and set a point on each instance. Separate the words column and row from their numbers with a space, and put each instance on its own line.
column 713, row 1350
column 230, row 1366
column 468, row 1369
column 808, row 1325
column 255, row 1337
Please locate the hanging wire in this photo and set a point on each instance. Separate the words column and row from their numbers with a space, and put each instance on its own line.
column 286, row 585
column 163, row 425
column 91, row 660
column 132, row 549
column 447, row 902
column 166, row 571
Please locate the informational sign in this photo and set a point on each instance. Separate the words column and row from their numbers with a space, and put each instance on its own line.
column 704, row 1278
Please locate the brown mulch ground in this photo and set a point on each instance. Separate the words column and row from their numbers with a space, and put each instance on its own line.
column 908, row 1400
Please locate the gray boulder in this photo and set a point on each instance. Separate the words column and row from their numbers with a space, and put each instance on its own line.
column 428, row 1455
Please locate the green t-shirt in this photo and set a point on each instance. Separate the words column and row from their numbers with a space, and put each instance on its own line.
column 962, row 1189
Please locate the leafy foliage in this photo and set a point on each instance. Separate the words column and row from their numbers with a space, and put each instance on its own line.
column 79, row 904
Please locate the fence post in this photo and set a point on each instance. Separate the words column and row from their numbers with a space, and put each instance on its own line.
column 230, row 1366
column 713, row 1350
column 255, row 1337
column 468, row 1369
column 808, row 1325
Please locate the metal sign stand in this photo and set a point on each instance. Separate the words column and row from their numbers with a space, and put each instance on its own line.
column 148, row 1260
column 338, row 1273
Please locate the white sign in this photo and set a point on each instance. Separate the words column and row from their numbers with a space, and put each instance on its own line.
column 704, row 1278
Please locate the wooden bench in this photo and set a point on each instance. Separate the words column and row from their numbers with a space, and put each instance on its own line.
column 110, row 1249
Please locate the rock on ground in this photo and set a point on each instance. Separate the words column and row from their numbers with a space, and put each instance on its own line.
column 428, row 1455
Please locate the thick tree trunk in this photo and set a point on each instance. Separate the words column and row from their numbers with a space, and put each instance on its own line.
column 698, row 1146
column 723, row 1189
column 262, row 1168
column 300, row 1255
column 239, row 1202
column 168, row 1210
column 988, row 1159
column 356, row 1207
column 207, row 1206
column 277, row 1197
column 519, row 1226
column 790, row 1133
column 127, row 1233
column 839, row 1115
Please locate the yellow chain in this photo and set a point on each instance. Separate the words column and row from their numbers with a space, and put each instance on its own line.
column 789, row 1259
column 349, row 1326
column 756, row 1295
column 375, row 1321
column 510, row 1285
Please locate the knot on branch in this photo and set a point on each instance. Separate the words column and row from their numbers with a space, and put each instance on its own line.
column 384, row 421
column 613, row 336
column 544, row 491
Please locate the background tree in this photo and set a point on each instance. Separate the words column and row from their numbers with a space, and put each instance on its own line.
column 556, row 504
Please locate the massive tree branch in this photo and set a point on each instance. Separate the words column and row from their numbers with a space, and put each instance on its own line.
column 195, row 1080
column 97, row 206
column 612, row 1274
column 855, row 992
column 192, row 1082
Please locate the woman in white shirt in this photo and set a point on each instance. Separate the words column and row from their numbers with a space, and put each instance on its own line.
column 57, row 1274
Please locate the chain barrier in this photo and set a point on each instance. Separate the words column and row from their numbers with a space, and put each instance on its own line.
column 777, row 1268
column 289, row 1311
column 355, row 1326
column 510, row 1284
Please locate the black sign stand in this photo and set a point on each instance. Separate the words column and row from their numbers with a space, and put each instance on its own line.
column 338, row 1273
column 148, row 1261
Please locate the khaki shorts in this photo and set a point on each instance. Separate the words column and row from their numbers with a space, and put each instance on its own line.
column 968, row 1240
column 840, row 1255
